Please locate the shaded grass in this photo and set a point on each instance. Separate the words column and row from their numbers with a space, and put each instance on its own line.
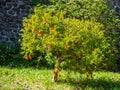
column 40, row 79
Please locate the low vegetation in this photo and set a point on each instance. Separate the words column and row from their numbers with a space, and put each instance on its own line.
column 40, row 79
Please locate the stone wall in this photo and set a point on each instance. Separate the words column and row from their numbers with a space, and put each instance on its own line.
column 12, row 13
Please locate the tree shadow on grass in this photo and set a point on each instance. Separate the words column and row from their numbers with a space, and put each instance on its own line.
column 95, row 84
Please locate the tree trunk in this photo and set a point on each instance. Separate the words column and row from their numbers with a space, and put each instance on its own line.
column 55, row 75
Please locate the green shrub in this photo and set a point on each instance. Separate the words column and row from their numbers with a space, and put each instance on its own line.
column 34, row 27
column 11, row 57
column 67, row 42
column 9, row 54
column 96, row 10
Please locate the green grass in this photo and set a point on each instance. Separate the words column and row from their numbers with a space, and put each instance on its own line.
column 40, row 79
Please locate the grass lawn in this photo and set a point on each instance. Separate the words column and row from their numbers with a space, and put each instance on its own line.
column 40, row 79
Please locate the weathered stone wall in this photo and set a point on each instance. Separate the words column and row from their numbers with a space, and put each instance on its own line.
column 12, row 13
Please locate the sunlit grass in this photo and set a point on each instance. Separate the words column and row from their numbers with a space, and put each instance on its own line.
column 40, row 79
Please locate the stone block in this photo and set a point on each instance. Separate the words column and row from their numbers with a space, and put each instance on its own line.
column 11, row 12
column 21, row 3
column 1, row 14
